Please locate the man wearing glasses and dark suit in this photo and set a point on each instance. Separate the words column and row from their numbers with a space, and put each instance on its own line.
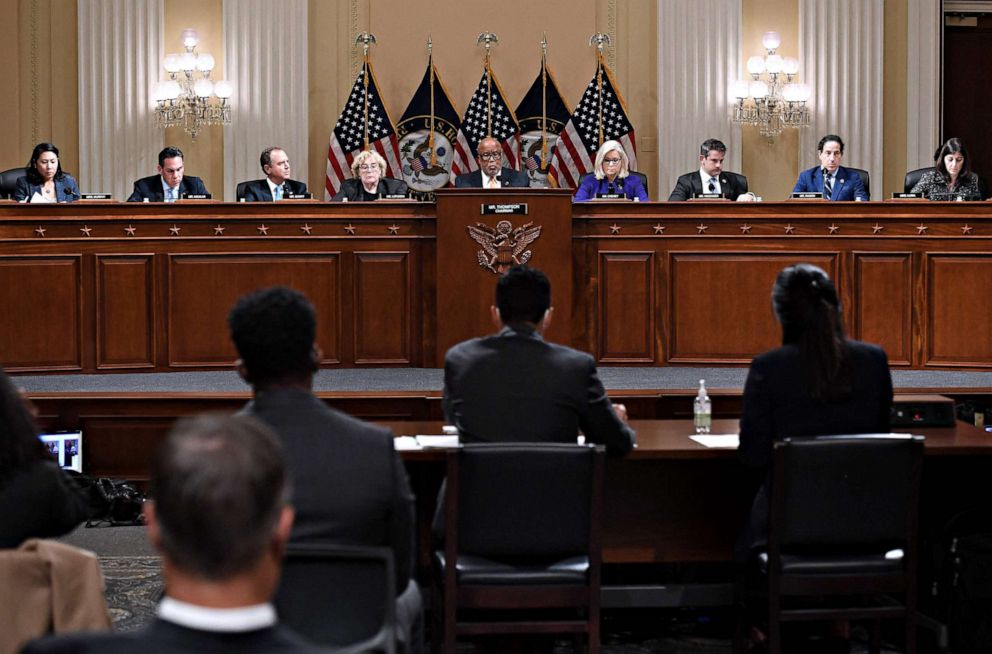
column 491, row 173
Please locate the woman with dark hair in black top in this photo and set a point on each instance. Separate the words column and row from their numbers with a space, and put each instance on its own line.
column 818, row 383
column 951, row 177
column 37, row 499
column 45, row 181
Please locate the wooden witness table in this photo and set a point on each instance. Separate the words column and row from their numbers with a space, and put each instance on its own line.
column 672, row 500
column 115, row 287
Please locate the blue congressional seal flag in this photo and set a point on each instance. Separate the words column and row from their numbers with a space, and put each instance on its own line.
column 542, row 115
column 429, row 132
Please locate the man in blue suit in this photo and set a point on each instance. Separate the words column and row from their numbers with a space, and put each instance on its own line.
column 170, row 184
column 830, row 178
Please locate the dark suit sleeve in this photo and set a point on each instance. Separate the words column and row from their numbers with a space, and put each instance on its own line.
column 859, row 186
column 756, row 419
column 136, row 194
column 803, row 184
column 22, row 191
column 343, row 192
column 198, row 187
column 70, row 188
column 401, row 523
column 599, row 422
column 682, row 190
column 739, row 185
column 463, row 181
column 301, row 189
column 640, row 193
column 586, row 190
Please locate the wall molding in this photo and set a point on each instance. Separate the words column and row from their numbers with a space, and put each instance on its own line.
column 923, row 74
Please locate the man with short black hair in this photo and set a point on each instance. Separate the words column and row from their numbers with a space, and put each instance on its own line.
column 515, row 386
column 711, row 178
column 350, row 485
column 220, row 518
column 171, row 183
column 276, row 185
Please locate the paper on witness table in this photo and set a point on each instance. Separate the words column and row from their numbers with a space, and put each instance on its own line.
column 426, row 440
column 730, row 441
column 401, row 443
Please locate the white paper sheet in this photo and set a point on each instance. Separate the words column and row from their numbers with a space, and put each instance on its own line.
column 726, row 441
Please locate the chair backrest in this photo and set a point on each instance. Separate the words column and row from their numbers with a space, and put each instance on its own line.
column 526, row 500
column 845, row 492
column 913, row 178
column 340, row 595
column 239, row 192
column 865, row 178
column 8, row 181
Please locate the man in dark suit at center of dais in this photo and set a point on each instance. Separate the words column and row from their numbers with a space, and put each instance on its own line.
column 171, row 183
column 515, row 386
column 711, row 177
column 836, row 182
column 492, row 173
column 276, row 185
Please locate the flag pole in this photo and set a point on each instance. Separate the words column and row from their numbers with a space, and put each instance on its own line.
column 544, row 101
column 366, row 39
column 600, row 40
column 430, row 66
column 489, row 39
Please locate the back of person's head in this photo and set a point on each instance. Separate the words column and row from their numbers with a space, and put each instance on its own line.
column 806, row 305
column 952, row 146
column 219, row 485
column 19, row 444
column 274, row 331
column 523, row 295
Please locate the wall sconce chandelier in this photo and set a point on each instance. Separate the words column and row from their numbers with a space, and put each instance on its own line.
column 187, row 101
column 774, row 102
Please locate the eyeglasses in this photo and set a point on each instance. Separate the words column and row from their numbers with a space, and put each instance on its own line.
column 367, row 167
column 490, row 156
column 611, row 162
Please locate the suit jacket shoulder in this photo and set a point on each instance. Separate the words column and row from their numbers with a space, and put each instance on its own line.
column 147, row 187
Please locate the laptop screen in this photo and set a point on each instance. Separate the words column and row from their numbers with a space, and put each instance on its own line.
column 66, row 447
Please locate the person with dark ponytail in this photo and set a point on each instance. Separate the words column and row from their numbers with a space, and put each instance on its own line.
column 818, row 383
column 37, row 499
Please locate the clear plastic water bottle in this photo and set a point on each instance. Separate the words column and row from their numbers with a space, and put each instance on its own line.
column 702, row 410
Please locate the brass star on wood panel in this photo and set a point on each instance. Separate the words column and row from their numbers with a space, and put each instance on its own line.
column 701, row 229
column 789, row 229
column 219, row 230
column 174, row 230
column 921, row 229
column 85, row 229
column 130, row 230
column 306, row 229
column 659, row 229
column 263, row 230
column 615, row 228
column 745, row 229
column 833, row 228
column 350, row 229
column 877, row 229
column 40, row 231
column 394, row 229
column 967, row 229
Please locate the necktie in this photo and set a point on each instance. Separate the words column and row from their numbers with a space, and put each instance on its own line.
column 712, row 186
column 170, row 194
column 828, row 184
column 494, row 182
column 278, row 191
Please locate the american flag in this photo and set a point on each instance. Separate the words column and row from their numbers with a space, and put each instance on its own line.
column 348, row 137
column 488, row 111
column 576, row 148
column 542, row 115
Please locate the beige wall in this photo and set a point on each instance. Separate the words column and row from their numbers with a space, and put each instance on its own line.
column 40, row 35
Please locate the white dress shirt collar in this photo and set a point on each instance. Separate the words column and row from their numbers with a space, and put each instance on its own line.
column 272, row 188
column 706, row 182
column 485, row 179
column 241, row 619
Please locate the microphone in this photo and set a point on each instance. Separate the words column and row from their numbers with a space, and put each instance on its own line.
column 611, row 189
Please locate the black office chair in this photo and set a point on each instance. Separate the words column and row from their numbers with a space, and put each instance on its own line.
column 842, row 525
column 8, row 181
column 865, row 179
column 342, row 596
column 240, row 191
column 913, row 178
column 522, row 532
